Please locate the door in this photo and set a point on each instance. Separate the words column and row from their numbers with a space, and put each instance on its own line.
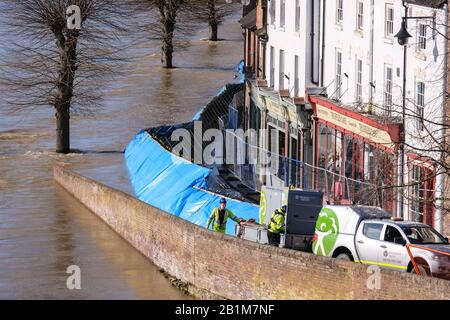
column 368, row 241
column 391, row 254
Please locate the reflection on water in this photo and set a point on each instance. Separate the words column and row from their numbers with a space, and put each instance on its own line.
column 43, row 230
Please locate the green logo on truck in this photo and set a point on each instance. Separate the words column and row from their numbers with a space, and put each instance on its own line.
column 327, row 230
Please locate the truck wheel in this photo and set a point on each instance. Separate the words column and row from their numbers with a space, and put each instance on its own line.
column 344, row 256
column 423, row 268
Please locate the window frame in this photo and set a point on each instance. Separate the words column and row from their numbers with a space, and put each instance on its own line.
column 389, row 24
column 417, row 203
column 281, row 71
column 273, row 12
column 297, row 15
column 359, row 79
column 282, row 14
column 395, row 228
column 421, row 36
column 360, row 15
column 366, row 224
column 420, row 104
column 339, row 12
column 272, row 66
column 387, row 89
column 338, row 73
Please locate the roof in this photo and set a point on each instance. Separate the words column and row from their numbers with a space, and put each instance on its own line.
column 428, row 3
column 249, row 20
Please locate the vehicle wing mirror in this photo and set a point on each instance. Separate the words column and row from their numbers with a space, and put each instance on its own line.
column 446, row 239
column 400, row 240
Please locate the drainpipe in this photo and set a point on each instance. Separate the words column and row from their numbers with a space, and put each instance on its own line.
column 322, row 66
column 440, row 181
column 372, row 21
column 313, row 51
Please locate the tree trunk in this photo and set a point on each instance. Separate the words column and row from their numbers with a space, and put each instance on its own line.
column 167, row 55
column 62, row 131
column 212, row 20
column 67, row 68
column 167, row 45
column 213, row 31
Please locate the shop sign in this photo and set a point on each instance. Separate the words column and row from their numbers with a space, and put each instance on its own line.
column 274, row 107
column 355, row 126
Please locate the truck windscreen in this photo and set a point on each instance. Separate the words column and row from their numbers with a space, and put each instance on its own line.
column 423, row 235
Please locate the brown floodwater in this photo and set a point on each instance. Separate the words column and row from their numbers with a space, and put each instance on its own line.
column 43, row 230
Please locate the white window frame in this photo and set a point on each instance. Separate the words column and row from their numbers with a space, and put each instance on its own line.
column 338, row 74
column 282, row 14
column 359, row 15
column 273, row 12
column 339, row 11
column 272, row 66
column 281, row 69
column 387, row 89
column 389, row 20
column 421, row 36
column 417, row 193
column 420, row 105
column 359, row 79
column 297, row 15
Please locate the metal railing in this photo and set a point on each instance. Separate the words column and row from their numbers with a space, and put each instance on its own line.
column 256, row 166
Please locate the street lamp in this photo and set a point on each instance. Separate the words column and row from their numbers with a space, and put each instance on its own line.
column 402, row 37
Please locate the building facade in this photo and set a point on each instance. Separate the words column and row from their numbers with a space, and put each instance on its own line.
column 335, row 86
column 364, row 68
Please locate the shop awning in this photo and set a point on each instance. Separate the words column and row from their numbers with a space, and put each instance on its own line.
column 382, row 131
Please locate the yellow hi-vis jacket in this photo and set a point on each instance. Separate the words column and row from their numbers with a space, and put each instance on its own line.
column 277, row 222
column 214, row 218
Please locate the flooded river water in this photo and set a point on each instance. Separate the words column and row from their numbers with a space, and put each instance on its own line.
column 43, row 230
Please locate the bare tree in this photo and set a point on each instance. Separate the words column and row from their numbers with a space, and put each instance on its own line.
column 213, row 12
column 54, row 63
column 168, row 17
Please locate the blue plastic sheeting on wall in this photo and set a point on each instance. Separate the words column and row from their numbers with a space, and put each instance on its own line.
column 198, row 114
column 172, row 184
column 240, row 68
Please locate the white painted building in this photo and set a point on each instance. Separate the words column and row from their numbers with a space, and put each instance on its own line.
column 347, row 50
column 363, row 69
column 291, row 47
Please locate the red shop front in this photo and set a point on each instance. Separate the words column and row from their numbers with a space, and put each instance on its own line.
column 355, row 156
column 421, row 189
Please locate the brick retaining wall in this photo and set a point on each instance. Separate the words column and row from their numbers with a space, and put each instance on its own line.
column 215, row 265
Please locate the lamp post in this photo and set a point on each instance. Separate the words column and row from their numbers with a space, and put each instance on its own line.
column 403, row 37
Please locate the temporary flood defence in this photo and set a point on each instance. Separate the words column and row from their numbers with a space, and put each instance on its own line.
column 175, row 185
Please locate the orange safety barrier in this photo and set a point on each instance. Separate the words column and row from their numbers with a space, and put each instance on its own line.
column 416, row 268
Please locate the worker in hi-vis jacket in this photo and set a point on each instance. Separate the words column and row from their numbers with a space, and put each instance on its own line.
column 277, row 226
column 219, row 217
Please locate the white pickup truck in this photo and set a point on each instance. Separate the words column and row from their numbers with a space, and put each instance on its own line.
column 368, row 235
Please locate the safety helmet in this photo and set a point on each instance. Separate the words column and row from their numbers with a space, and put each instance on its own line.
column 284, row 208
column 223, row 200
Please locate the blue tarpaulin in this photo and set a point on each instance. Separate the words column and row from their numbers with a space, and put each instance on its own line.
column 174, row 185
